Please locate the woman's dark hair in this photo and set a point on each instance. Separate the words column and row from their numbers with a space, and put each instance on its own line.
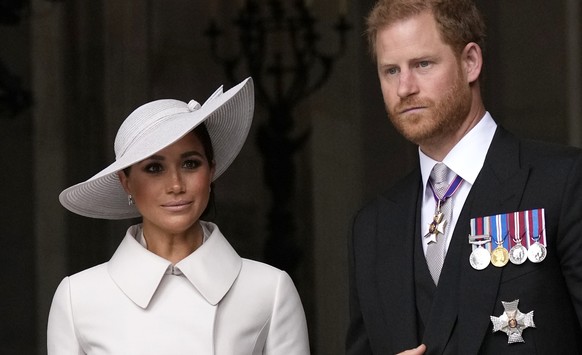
column 202, row 133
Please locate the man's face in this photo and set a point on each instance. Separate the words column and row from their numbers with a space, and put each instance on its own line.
column 425, row 89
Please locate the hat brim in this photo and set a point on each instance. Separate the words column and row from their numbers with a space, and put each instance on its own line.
column 228, row 117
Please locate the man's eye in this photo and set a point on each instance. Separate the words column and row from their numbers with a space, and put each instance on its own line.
column 392, row 71
column 424, row 64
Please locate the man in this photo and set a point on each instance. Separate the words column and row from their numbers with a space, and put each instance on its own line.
column 429, row 268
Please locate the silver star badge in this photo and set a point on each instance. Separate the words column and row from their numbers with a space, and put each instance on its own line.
column 513, row 322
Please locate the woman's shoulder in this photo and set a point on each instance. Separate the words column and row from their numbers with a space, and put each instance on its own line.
column 259, row 265
column 262, row 274
column 87, row 281
column 262, row 287
column 91, row 273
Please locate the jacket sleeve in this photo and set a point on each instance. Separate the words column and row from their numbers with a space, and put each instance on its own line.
column 61, row 335
column 288, row 327
column 569, row 238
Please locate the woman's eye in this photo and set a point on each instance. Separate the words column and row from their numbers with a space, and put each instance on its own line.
column 192, row 164
column 153, row 168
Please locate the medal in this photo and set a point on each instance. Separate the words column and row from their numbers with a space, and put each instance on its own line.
column 512, row 322
column 518, row 254
column 439, row 223
column 436, row 226
column 537, row 252
column 500, row 255
column 480, row 256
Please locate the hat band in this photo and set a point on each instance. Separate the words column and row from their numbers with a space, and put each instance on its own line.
column 153, row 122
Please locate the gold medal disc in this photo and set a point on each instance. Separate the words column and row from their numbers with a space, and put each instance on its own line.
column 499, row 256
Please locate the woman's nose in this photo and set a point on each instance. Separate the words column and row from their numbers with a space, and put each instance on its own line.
column 176, row 183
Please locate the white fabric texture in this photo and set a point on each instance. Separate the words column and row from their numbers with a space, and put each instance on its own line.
column 218, row 304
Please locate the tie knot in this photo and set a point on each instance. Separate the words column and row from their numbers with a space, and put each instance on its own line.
column 440, row 173
column 439, row 176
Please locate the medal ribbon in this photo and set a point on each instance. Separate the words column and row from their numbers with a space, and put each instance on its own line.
column 513, row 230
column 496, row 230
column 453, row 187
column 536, row 223
column 503, row 231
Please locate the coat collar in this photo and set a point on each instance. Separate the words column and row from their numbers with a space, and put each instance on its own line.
column 212, row 268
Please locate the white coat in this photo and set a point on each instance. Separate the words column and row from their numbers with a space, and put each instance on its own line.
column 211, row 302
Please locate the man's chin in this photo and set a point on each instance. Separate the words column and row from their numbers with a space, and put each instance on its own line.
column 416, row 133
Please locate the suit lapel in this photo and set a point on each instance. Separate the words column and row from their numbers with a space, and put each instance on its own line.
column 498, row 189
column 466, row 297
column 394, row 261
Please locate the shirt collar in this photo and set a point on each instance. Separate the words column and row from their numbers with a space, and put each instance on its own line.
column 468, row 156
column 212, row 268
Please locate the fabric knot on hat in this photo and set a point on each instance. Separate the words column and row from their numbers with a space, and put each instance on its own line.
column 193, row 105
column 145, row 120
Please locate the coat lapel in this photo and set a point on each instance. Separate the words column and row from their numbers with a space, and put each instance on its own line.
column 397, row 216
column 466, row 297
column 498, row 189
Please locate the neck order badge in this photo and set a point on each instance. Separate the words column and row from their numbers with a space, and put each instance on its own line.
column 439, row 222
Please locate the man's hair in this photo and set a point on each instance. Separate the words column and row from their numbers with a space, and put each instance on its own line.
column 459, row 21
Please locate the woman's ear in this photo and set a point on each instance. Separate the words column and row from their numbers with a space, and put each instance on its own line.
column 123, row 180
column 212, row 170
column 472, row 60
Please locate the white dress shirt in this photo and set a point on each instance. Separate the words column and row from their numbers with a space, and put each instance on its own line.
column 466, row 160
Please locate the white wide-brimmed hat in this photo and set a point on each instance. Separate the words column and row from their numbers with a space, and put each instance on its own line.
column 151, row 128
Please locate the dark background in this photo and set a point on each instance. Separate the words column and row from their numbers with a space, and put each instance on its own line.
column 71, row 71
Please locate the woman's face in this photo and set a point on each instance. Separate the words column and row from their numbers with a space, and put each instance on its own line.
column 172, row 187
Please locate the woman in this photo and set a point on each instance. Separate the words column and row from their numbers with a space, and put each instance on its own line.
column 174, row 285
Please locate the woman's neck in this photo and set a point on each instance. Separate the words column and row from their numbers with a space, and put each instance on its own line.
column 173, row 246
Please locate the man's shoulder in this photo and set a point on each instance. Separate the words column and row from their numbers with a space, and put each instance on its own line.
column 531, row 152
column 539, row 148
column 545, row 150
column 404, row 188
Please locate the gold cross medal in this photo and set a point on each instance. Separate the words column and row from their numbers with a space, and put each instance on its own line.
column 512, row 322
column 436, row 227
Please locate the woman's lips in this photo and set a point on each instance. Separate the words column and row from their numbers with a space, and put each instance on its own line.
column 177, row 205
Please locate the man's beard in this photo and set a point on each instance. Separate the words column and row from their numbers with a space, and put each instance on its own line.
column 440, row 119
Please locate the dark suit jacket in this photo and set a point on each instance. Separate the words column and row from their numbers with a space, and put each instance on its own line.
column 517, row 175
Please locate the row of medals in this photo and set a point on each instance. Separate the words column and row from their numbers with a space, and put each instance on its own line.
column 499, row 257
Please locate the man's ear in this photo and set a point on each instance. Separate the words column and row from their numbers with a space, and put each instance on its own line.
column 472, row 61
